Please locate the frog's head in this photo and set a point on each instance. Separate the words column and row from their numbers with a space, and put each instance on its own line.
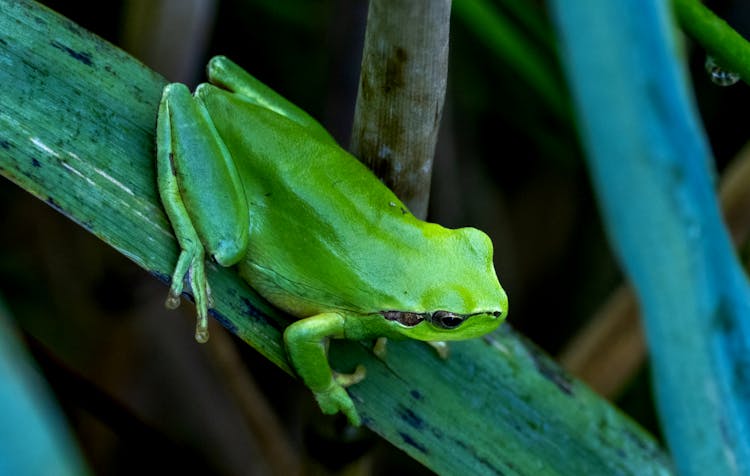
column 459, row 295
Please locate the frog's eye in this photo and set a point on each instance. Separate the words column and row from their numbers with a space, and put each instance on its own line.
column 447, row 320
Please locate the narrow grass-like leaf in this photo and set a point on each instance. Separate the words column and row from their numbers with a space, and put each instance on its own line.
column 34, row 438
column 508, row 43
column 650, row 165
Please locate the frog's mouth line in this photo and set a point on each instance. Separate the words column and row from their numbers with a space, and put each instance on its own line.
column 442, row 319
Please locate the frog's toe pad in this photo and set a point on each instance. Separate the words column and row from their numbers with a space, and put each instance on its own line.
column 172, row 301
column 380, row 348
column 201, row 334
column 441, row 347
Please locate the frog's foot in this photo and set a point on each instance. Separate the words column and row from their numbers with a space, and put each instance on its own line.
column 441, row 347
column 191, row 264
column 334, row 399
column 380, row 348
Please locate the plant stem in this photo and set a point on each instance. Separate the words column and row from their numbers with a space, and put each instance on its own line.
column 401, row 94
column 719, row 39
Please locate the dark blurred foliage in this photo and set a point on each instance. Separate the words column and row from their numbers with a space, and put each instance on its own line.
column 142, row 396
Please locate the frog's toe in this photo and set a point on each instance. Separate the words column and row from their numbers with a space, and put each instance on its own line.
column 201, row 294
column 335, row 400
column 380, row 348
column 201, row 332
column 173, row 300
column 351, row 414
column 178, row 280
column 191, row 264
column 441, row 347
column 346, row 380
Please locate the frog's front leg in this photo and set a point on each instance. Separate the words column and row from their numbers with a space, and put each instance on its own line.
column 307, row 345
column 202, row 195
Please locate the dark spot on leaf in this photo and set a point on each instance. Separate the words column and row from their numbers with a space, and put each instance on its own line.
column 411, row 442
column 251, row 310
column 490, row 467
column 51, row 202
column 226, row 323
column 84, row 58
column 415, row 395
column 257, row 315
column 3, row 42
column 4, row 144
column 164, row 278
column 411, row 419
column 552, row 373
column 35, row 163
column 649, row 448
column 723, row 319
column 726, row 319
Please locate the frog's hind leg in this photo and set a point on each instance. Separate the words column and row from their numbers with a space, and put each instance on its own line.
column 190, row 261
column 307, row 346
column 226, row 74
column 201, row 195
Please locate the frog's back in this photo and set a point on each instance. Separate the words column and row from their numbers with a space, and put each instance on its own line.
column 324, row 232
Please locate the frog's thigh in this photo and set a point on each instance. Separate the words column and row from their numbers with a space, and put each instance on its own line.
column 228, row 75
column 207, row 178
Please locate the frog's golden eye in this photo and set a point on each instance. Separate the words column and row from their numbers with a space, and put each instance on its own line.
column 446, row 320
